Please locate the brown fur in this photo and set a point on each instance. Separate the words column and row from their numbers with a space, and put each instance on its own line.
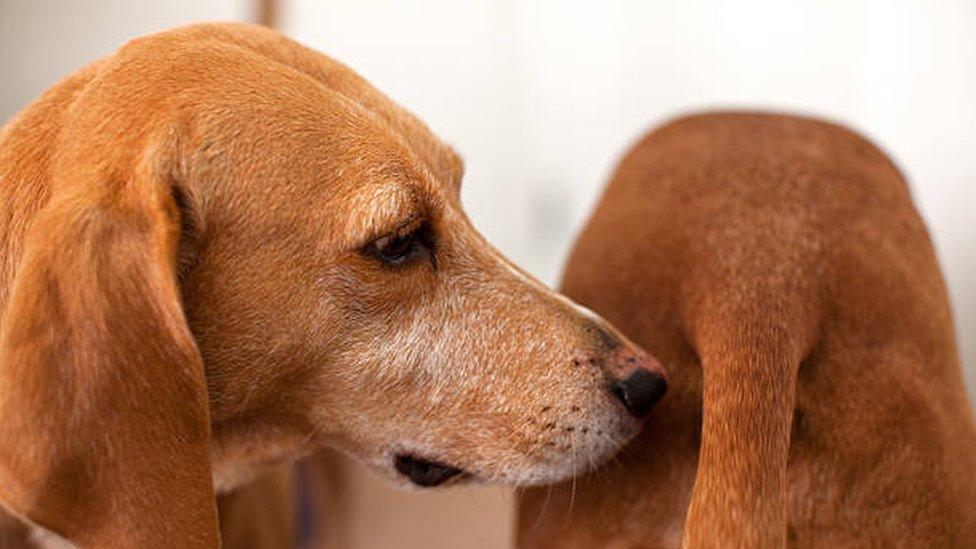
column 778, row 268
column 188, row 297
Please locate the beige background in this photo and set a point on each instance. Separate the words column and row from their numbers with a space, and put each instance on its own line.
column 378, row 517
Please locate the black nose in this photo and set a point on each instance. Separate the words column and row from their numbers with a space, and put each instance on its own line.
column 639, row 391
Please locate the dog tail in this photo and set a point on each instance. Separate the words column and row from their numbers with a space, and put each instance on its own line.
column 750, row 355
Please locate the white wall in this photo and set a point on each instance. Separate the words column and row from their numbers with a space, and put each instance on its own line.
column 42, row 41
column 541, row 97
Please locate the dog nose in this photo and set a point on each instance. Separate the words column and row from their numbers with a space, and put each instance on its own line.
column 639, row 391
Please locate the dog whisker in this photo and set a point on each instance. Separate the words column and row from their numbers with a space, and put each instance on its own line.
column 537, row 522
column 572, row 493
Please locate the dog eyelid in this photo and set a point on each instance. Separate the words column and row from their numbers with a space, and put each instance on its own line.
column 411, row 241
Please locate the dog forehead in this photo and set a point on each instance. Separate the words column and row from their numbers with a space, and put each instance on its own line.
column 292, row 129
column 264, row 68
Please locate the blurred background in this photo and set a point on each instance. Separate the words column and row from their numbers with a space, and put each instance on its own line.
column 542, row 97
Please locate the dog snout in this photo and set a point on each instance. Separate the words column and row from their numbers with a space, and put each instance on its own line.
column 636, row 379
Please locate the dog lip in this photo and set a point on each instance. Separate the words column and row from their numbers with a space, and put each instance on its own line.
column 424, row 472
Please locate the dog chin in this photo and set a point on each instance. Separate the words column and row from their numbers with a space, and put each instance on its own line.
column 584, row 459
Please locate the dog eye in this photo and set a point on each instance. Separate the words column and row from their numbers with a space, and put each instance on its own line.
column 399, row 248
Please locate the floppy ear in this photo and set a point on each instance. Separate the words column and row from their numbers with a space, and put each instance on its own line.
column 104, row 420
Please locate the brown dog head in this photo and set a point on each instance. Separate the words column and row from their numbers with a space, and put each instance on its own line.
column 242, row 251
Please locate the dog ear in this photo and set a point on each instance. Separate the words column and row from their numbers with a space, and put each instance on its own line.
column 104, row 418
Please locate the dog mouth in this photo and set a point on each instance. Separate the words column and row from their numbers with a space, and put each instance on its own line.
column 425, row 472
